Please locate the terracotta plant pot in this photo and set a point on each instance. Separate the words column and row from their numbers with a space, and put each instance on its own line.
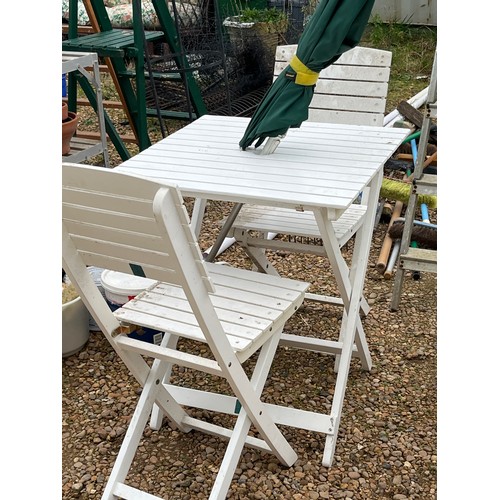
column 64, row 111
column 68, row 131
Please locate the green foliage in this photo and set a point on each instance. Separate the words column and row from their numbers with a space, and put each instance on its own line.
column 412, row 48
column 248, row 15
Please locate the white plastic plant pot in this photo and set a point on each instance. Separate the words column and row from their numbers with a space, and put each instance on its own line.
column 75, row 326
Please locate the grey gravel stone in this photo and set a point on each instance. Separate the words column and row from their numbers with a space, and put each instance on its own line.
column 387, row 438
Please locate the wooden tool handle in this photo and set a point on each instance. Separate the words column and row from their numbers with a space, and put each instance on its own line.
column 387, row 243
column 409, row 157
column 427, row 162
column 392, row 260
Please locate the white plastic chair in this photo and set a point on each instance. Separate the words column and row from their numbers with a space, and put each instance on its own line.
column 137, row 226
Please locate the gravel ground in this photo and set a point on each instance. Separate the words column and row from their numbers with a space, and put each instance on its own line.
column 387, row 440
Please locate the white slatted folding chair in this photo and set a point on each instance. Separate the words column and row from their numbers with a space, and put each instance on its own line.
column 137, row 226
column 353, row 90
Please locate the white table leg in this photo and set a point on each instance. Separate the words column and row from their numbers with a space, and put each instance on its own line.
column 197, row 215
column 351, row 288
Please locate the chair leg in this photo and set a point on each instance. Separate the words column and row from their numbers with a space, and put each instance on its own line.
column 259, row 259
column 231, row 457
column 136, row 428
column 259, row 414
column 243, row 423
column 249, row 398
column 340, row 385
column 156, row 420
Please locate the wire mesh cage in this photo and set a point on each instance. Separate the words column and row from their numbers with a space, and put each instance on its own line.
column 253, row 45
column 199, row 56
column 232, row 66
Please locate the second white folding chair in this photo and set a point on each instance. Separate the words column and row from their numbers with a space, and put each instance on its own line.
column 353, row 90
column 136, row 226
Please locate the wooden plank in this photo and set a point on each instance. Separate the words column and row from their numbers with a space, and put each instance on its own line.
column 72, row 61
column 427, row 184
column 344, row 72
column 113, row 39
column 421, row 254
column 96, row 135
column 334, row 116
column 82, row 149
column 410, row 113
column 351, row 88
column 106, row 104
column 81, row 30
column 348, row 103
column 362, row 56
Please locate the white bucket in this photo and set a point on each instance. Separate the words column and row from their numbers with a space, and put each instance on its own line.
column 119, row 288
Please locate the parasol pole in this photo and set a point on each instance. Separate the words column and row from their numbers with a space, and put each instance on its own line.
column 222, row 242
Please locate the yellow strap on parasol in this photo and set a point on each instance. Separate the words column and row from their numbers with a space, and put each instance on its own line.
column 305, row 76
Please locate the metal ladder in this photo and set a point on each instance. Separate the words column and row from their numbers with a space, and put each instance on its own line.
column 410, row 258
column 116, row 45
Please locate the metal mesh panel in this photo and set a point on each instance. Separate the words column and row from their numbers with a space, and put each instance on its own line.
column 232, row 68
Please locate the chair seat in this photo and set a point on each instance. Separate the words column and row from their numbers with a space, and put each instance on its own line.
column 115, row 42
column 289, row 221
column 247, row 304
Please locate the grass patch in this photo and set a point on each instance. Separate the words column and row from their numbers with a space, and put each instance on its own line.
column 412, row 50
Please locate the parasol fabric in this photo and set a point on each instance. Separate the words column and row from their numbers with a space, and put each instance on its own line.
column 335, row 27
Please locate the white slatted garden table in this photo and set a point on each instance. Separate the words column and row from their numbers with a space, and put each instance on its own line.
column 321, row 167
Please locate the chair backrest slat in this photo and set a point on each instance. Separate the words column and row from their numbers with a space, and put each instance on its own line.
column 116, row 221
column 353, row 90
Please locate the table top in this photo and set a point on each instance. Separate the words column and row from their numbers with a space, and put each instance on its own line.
column 316, row 165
